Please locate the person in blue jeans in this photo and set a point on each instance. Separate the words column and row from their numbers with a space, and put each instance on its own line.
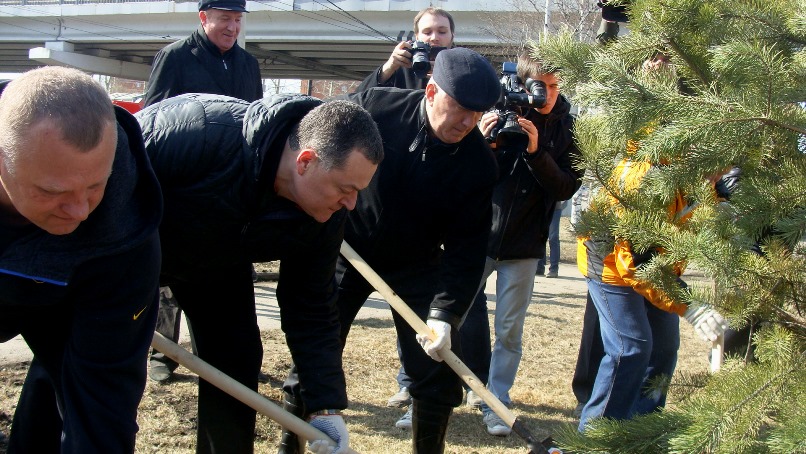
column 554, row 244
column 639, row 324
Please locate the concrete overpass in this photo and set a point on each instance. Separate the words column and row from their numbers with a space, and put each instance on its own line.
column 296, row 39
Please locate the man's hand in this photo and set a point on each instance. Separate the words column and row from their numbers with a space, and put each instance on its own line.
column 487, row 122
column 333, row 426
column 442, row 338
column 400, row 57
column 707, row 322
column 531, row 131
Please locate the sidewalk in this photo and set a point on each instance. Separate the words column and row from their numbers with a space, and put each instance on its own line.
column 569, row 283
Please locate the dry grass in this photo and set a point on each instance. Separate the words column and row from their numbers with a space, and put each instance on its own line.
column 542, row 391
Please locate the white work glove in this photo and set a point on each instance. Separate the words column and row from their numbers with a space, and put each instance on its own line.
column 707, row 322
column 333, row 426
column 442, row 338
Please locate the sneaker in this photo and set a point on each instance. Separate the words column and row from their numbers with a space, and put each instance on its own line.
column 401, row 399
column 474, row 401
column 159, row 372
column 540, row 272
column 551, row 274
column 496, row 426
column 405, row 421
column 578, row 410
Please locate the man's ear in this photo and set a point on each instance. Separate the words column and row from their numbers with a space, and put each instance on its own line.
column 305, row 158
column 203, row 17
column 430, row 92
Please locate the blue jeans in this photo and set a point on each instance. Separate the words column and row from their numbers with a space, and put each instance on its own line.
column 513, row 288
column 554, row 245
column 640, row 343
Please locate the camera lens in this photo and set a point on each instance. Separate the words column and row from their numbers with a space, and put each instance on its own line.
column 538, row 90
column 419, row 58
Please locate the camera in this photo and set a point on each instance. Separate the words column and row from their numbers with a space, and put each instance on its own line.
column 422, row 54
column 507, row 131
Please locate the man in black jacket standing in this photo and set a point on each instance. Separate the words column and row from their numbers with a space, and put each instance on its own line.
column 79, row 211
column 536, row 172
column 423, row 223
column 209, row 60
column 270, row 180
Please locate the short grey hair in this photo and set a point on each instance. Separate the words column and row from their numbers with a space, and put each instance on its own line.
column 336, row 128
column 76, row 104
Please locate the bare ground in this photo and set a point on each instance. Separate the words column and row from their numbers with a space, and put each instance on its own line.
column 542, row 391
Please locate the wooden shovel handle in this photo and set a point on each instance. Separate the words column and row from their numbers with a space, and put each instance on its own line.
column 237, row 390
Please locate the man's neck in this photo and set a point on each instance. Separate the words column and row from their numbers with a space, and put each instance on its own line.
column 283, row 180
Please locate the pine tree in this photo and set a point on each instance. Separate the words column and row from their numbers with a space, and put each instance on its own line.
column 735, row 99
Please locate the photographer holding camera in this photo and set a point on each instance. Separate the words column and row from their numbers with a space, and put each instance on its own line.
column 531, row 133
column 434, row 31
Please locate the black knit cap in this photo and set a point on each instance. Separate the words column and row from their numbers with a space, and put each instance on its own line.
column 468, row 78
column 229, row 5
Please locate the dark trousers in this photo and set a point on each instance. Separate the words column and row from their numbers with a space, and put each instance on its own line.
column 431, row 380
column 38, row 397
column 85, row 384
column 476, row 349
column 169, row 320
column 416, row 285
column 220, row 306
column 591, row 352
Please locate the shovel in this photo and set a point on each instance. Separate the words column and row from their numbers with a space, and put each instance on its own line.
column 237, row 390
column 450, row 358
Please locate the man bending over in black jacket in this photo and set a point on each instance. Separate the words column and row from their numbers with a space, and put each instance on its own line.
column 244, row 183
column 79, row 211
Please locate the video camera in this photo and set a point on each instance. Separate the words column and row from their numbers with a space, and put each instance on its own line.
column 514, row 97
column 422, row 54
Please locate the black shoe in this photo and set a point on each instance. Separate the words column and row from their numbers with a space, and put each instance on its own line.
column 159, row 372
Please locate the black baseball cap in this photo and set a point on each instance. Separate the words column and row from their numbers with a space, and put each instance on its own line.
column 229, row 5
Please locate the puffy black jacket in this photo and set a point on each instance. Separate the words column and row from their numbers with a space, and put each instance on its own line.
column 195, row 65
column 530, row 185
column 216, row 158
column 428, row 205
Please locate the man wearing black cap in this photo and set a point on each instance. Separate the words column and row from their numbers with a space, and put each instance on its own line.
column 423, row 223
column 209, row 60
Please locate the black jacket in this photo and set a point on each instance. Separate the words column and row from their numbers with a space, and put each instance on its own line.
column 428, row 204
column 217, row 158
column 38, row 268
column 195, row 65
column 402, row 78
column 530, row 185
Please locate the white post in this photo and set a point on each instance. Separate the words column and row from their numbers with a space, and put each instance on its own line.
column 546, row 18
